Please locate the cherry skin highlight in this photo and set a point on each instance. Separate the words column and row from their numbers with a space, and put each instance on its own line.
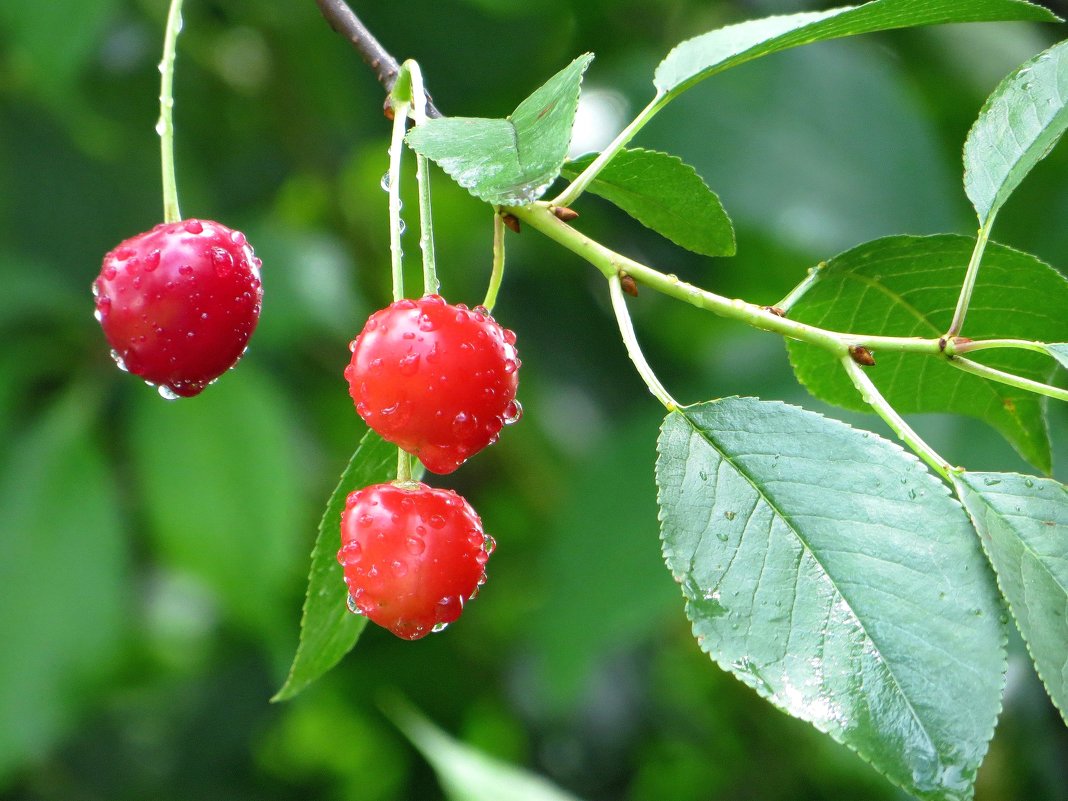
column 435, row 379
column 412, row 555
column 179, row 303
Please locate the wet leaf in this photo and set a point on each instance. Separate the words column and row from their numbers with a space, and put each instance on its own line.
column 509, row 162
column 712, row 52
column 664, row 194
column 1019, row 124
column 908, row 286
column 328, row 630
column 1059, row 351
column 1023, row 522
column 828, row 570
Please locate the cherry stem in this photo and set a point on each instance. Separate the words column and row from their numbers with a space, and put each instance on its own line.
column 497, row 271
column 396, row 148
column 404, row 466
column 422, row 179
column 165, row 126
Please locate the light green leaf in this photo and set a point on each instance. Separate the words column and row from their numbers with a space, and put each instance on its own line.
column 1018, row 125
column 63, row 570
column 328, row 630
column 1023, row 522
column 908, row 286
column 466, row 774
column 509, row 162
column 1059, row 351
column 718, row 50
column 828, row 570
column 220, row 492
column 664, row 194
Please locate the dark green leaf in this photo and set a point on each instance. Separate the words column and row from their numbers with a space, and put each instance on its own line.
column 1019, row 124
column 1023, row 522
column 828, row 570
column 328, row 630
column 663, row 193
column 715, row 51
column 63, row 561
column 217, row 477
column 908, row 286
column 508, row 162
column 466, row 774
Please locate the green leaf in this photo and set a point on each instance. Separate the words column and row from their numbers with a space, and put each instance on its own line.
column 908, row 286
column 466, row 774
column 328, row 630
column 1059, row 351
column 1018, row 125
column 664, row 194
column 63, row 570
column 509, row 162
column 718, row 50
column 1023, row 522
column 828, row 570
column 220, row 493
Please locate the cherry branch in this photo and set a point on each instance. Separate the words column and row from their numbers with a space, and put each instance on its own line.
column 386, row 68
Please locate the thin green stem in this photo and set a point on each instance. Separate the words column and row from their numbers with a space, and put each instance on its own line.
column 968, row 366
column 404, row 466
column 799, row 291
column 970, row 277
column 165, row 126
column 422, row 179
column 578, row 186
column 630, row 340
column 396, row 148
column 497, row 272
column 955, row 347
column 874, row 398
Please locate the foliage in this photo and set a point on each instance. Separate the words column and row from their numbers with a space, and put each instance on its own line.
column 177, row 543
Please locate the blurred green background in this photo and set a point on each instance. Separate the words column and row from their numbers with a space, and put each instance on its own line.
column 153, row 555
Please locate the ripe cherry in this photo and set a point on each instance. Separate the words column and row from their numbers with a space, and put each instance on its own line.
column 435, row 379
column 179, row 303
column 412, row 555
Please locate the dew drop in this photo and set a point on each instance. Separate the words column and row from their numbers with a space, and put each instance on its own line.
column 489, row 545
column 509, row 336
column 161, row 126
column 350, row 553
column 151, row 261
column 426, row 323
column 193, row 226
column 365, row 520
column 119, row 361
column 384, row 183
column 990, row 482
column 463, row 425
column 512, row 413
column 222, row 260
column 510, row 366
column 1028, row 483
column 415, row 545
column 438, row 627
column 185, row 269
column 409, row 365
column 353, row 606
column 166, row 392
column 399, row 568
column 110, row 273
column 238, row 238
column 436, row 521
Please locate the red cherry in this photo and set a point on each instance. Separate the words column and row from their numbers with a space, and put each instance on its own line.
column 178, row 303
column 435, row 379
column 413, row 556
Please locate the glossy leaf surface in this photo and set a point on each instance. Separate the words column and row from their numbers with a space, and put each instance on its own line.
column 328, row 630
column 908, row 286
column 509, row 162
column 1023, row 522
column 720, row 49
column 663, row 193
column 1019, row 124
column 828, row 570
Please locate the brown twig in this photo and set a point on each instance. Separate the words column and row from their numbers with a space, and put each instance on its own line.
column 344, row 20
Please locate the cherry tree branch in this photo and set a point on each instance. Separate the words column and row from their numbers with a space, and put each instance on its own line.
column 344, row 20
